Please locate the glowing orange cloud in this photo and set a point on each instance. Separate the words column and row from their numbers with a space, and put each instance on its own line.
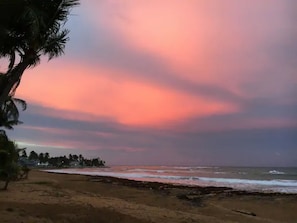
column 93, row 91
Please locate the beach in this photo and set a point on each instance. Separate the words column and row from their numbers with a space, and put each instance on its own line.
column 51, row 197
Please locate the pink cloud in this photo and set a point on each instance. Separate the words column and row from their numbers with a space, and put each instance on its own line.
column 210, row 42
column 93, row 91
column 217, row 43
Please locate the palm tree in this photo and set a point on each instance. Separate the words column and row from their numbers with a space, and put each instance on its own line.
column 9, row 154
column 29, row 29
column 24, row 153
column 41, row 157
column 33, row 155
column 46, row 157
column 9, row 112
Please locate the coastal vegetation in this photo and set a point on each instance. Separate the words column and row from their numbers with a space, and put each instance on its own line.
column 29, row 30
column 9, row 151
column 45, row 160
column 15, row 164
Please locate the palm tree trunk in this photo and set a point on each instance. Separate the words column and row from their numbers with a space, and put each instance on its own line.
column 11, row 80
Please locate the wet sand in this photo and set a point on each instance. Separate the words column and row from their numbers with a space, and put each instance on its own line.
column 48, row 197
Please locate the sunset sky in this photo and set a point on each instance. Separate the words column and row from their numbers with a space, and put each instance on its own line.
column 170, row 82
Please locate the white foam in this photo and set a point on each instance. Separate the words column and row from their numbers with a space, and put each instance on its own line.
column 284, row 183
column 276, row 172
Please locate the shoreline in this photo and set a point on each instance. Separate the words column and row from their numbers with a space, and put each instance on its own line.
column 145, row 183
column 60, row 197
column 163, row 186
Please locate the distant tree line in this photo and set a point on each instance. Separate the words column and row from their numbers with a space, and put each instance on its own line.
column 63, row 161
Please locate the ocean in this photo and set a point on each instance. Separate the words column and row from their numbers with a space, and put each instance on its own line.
column 283, row 180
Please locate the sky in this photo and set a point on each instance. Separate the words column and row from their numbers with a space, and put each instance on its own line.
column 169, row 83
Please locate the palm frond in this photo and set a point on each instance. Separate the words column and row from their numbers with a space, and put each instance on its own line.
column 9, row 113
column 56, row 44
column 3, row 135
column 63, row 9
column 34, row 27
column 21, row 102
column 9, row 124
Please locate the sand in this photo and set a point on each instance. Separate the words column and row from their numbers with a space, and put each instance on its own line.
column 47, row 197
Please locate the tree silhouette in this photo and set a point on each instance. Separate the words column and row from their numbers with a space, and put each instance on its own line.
column 28, row 30
column 46, row 157
column 41, row 157
column 33, row 155
column 9, row 154
column 9, row 112
column 24, row 153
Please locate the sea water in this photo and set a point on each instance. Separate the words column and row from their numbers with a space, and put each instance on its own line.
column 283, row 180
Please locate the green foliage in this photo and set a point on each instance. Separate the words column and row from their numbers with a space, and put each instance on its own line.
column 9, row 154
column 10, row 171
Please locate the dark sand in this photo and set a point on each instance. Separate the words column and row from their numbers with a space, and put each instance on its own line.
column 47, row 197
